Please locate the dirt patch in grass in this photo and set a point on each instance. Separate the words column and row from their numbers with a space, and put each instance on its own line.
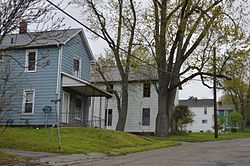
column 12, row 160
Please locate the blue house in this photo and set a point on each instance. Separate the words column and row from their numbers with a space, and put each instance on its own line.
column 44, row 77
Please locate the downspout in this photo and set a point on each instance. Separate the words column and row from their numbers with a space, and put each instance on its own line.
column 59, row 79
column 58, row 92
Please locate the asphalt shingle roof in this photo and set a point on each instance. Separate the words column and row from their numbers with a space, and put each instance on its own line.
column 139, row 73
column 197, row 102
column 37, row 39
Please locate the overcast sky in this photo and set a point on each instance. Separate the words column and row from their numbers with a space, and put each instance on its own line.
column 193, row 88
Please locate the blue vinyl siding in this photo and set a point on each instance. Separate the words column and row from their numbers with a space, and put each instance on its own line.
column 43, row 81
column 76, row 48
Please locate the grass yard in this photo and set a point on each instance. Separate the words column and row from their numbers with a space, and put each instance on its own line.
column 85, row 140
column 79, row 140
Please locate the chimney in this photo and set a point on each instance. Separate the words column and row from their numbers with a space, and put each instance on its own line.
column 23, row 27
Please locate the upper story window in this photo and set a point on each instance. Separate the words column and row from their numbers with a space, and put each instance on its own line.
column 110, row 88
column 28, row 101
column 77, row 67
column 146, row 89
column 205, row 110
column 31, row 61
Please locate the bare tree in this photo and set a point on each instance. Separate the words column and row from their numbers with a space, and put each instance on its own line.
column 238, row 88
column 185, row 33
column 9, row 82
column 179, row 35
column 115, row 23
column 15, row 15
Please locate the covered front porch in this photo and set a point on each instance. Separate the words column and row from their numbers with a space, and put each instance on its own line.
column 76, row 100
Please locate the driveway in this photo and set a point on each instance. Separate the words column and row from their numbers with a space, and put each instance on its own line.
column 212, row 153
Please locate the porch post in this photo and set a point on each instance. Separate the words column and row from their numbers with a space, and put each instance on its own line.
column 106, row 108
column 100, row 113
column 92, row 111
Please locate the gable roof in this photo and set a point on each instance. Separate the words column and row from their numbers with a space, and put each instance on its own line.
column 197, row 102
column 42, row 39
column 139, row 73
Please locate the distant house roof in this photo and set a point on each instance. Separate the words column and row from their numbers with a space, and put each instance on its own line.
column 139, row 73
column 194, row 102
column 225, row 107
column 41, row 39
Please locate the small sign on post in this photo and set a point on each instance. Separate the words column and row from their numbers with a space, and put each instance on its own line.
column 46, row 110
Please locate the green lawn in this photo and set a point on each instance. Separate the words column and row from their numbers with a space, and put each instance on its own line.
column 79, row 140
column 85, row 140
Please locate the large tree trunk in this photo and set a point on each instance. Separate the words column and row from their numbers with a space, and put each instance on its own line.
column 244, row 115
column 124, row 107
column 162, row 128
column 170, row 109
column 161, row 119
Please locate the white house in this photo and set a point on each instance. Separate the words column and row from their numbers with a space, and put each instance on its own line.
column 142, row 100
column 203, row 110
column 203, row 114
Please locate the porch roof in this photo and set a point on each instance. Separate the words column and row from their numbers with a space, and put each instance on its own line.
column 82, row 87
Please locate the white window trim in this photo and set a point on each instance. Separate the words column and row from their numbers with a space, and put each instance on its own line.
column 80, row 66
column 79, row 97
column 33, row 101
column 27, row 63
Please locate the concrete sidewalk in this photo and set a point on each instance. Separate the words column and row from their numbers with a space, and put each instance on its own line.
column 56, row 159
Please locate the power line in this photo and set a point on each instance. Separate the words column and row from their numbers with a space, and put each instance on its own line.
column 85, row 26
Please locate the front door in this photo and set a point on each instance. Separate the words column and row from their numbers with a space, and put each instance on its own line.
column 65, row 111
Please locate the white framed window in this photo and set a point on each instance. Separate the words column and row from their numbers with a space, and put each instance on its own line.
column 146, row 89
column 146, row 117
column 205, row 110
column 77, row 67
column 31, row 61
column 204, row 121
column 108, row 117
column 78, row 108
column 28, row 101
column 110, row 88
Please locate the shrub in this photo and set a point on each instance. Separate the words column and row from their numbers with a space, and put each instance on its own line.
column 182, row 117
column 234, row 130
column 236, row 118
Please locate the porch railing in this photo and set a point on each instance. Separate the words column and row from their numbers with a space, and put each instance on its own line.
column 97, row 122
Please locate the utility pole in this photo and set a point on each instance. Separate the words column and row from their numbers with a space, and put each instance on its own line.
column 215, row 95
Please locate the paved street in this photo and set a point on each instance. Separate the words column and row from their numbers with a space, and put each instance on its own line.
column 214, row 153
